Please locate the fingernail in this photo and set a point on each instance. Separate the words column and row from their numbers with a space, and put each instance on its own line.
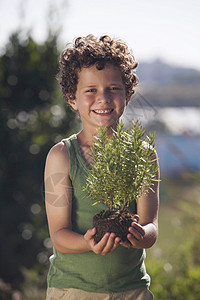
column 136, row 218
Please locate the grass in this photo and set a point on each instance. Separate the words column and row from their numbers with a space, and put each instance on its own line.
column 175, row 258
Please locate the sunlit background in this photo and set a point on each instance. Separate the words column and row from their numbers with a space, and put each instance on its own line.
column 165, row 39
column 168, row 30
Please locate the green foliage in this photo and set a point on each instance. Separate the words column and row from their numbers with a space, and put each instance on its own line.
column 32, row 119
column 174, row 262
column 123, row 166
column 176, row 274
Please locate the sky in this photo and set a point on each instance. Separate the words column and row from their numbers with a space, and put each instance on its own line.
column 168, row 30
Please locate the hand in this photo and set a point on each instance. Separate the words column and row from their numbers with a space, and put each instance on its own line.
column 108, row 243
column 136, row 235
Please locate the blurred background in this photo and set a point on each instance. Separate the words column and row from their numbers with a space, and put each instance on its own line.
column 165, row 39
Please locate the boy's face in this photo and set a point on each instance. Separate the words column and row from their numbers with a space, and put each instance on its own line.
column 100, row 97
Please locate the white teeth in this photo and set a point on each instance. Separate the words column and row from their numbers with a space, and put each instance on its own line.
column 101, row 111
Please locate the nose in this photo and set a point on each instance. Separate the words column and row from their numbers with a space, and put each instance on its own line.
column 104, row 96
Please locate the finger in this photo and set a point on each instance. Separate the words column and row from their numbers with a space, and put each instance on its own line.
column 139, row 228
column 109, row 245
column 136, row 218
column 126, row 244
column 89, row 234
column 132, row 240
column 98, row 248
column 137, row 234
column 117, row 241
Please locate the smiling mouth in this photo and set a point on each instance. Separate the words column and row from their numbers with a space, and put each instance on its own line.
column 102, row 111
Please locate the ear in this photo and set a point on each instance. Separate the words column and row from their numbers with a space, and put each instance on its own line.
column 72, row 102
column 127, row 99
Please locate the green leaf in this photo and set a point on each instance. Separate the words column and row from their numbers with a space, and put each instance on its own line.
column 122, row 166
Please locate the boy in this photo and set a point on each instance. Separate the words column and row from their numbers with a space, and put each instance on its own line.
column 97, row 78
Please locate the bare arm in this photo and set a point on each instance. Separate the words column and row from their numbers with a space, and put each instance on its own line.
column 58, row 200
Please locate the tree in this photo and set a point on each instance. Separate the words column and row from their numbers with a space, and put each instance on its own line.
column 33, row 117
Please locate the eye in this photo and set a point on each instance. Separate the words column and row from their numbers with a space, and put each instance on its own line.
column 115, row 88
column 91, row 90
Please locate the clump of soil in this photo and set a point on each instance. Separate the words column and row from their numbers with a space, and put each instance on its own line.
column 116, row 221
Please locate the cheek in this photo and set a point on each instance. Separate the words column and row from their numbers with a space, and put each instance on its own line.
column 87, row 101
column 122, row 102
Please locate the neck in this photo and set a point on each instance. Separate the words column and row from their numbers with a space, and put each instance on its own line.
column 86, row 138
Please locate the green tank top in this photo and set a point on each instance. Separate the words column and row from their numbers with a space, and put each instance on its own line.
column 120, row 270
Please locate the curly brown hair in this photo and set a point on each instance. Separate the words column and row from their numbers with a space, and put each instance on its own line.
column 88, row 51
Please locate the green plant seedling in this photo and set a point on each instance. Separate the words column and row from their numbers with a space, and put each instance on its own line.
column 124, row 167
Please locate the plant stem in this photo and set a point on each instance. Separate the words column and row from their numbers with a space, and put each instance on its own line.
column 111, row 204
column 124, row 203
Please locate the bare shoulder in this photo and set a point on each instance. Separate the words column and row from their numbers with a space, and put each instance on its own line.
column 58, row 155
column 59, row 150
column 57, row 159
